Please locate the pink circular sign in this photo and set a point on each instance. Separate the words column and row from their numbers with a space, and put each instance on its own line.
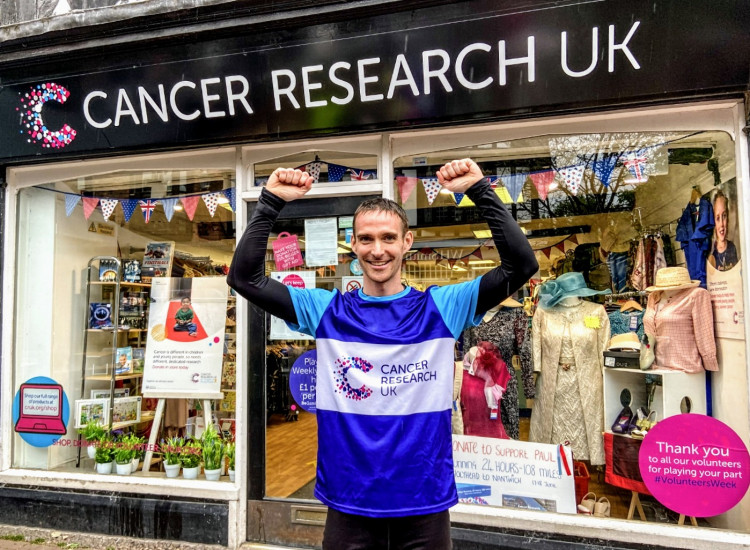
column 695, row 465
column 294, row 280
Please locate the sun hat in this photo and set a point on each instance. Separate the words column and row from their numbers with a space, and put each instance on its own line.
column 626, row 341
column 565, row 286
column 672, row 278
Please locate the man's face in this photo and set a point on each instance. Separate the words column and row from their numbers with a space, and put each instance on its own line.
column 720, row 218
column 380, row 244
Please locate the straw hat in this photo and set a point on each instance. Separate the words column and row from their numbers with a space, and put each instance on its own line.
column 626, row 341
column 672, row 278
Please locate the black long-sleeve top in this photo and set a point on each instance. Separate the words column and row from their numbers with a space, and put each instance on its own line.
column 247, row 272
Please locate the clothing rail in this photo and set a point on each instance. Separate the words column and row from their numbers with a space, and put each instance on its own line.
column 630, row 294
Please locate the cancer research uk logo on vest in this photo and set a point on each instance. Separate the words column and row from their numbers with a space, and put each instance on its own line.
column 32, row 122
column 342, row 366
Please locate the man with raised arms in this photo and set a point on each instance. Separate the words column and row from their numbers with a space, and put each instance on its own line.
column 385, row 463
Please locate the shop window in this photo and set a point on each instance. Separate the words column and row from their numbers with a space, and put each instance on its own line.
column 603, row 213
column 310, row 245
column 75, row 334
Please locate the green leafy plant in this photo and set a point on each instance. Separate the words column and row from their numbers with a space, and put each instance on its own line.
column 124, row 449
column 213, row 452
column 171, row 449
column 104, row 449
column 230, row 449
column 92, row 431
column 190, row 455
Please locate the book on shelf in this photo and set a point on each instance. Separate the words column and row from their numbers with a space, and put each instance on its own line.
column 100, row 315
column 131, row 271
column 157, row 260
column 124, row 360
column 139, row 356
column 108, row 271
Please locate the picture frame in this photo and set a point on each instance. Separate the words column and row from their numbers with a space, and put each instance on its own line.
column 127, row 409
column 92, row 409
column 104, row 394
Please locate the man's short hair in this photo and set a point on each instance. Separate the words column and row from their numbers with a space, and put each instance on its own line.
column 380, row 204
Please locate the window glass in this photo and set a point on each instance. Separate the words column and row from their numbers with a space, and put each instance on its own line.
column 604, row 214
column 310, row 245
column 81, row 344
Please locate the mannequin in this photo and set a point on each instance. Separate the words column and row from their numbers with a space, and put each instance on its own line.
column 507, row 327
column 569, row 337
column 679, row 315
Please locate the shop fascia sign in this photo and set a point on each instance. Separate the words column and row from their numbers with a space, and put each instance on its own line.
column 340, row 83
column 447, row 71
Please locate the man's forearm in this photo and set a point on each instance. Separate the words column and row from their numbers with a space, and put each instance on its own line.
column 518, row 262
column 247, row 272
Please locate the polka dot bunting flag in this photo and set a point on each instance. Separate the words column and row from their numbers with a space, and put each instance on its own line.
column 108, row 206
column 212, row 201
column 432, row 188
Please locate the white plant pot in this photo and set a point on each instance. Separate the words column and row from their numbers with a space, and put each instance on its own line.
column 191, row 473
column 134, row 464
column 172, row 470
column 91, row 451
column 231, row 475
column 124, row 469
column 213, row 475
column 104, row 467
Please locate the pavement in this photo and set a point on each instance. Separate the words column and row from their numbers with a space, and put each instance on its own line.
column 14, row 537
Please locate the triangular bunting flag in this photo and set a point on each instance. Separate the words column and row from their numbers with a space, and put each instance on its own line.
column 148, row 206
column 493, row 181
column 478, row 253
column 312, row 168
column 432, row 188
column 231, row 194
column 514, row 184
column 361, row 175
column 335, row 172
column 547, row 252
column 637, row 163
column 128, row 207
column 71, row 201
column 89, row 205
column 168, row 205
column 466, row 202
column 542, row 181
column 190, row 204
column 503, row 195
column 560, row 246
column 212, row 199
column 458, row 197
column 573, row 238
column 406, row 185
column 451, row 263
column 108, row 206
column 604, row 167
column 571, row 177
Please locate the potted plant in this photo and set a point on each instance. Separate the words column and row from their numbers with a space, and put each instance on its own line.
column 190, row 457
column 124, row 453
column 171, row 449
column 212, row 448
column 230, row 455
column 92, row 432
column 104, row 456
column 137, row 443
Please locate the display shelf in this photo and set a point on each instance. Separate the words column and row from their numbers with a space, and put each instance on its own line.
column 108, row 377
column 679, row 392
column 123, row 284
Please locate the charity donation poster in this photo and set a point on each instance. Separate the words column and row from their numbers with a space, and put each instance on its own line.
column 321, row 242
column 514, row 474
column 185, row 339
column 298, row 279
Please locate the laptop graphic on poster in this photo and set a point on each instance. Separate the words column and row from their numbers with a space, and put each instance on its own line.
column 41, row 409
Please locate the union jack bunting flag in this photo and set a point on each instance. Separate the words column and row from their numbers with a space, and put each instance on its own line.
column 637, row 164
column 148, row 207
column 360, row 174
